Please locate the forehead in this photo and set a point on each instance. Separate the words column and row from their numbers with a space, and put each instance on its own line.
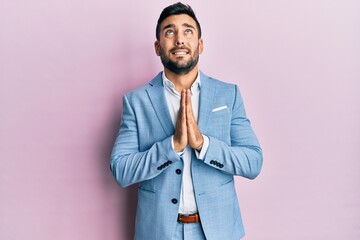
column 178, row 21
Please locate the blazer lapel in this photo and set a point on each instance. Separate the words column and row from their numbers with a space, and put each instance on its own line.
column 159, row 103
column 207, row 97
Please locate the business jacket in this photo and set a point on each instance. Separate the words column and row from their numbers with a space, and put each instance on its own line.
column 143, row 154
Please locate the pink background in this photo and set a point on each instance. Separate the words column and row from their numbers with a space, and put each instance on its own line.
column 65, row 65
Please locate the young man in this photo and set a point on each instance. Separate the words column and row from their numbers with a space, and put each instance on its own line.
column 182, row 138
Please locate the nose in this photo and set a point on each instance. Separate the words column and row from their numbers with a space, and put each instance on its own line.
column 179, row 40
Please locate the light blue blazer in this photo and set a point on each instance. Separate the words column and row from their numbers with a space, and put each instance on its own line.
column 143, row 154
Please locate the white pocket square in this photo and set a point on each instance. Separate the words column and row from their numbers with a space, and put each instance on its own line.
column 219, row 108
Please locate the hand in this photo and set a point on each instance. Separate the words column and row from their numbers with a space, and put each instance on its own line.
column 180, row 136
column 195, row 138
column 186, row 129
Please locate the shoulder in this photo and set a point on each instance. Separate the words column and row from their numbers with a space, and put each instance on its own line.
column 141, row 91
column 219, row 85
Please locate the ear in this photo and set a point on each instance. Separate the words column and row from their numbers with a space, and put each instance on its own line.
column 201, row 46
column 157, row 47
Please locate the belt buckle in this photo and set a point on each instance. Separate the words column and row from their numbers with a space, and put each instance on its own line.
column 179, row 218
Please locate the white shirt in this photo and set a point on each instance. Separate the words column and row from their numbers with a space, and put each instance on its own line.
column 187, row 195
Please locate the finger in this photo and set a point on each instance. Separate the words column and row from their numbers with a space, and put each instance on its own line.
column 183, row 105
column 190, row 119
column 180, row 136
column 188, row 97
column 195, row 138
column 189, row 105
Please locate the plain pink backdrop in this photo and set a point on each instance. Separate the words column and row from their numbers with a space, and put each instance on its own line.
column 65, row 64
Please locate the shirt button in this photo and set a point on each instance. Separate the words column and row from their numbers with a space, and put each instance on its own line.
column 178, row 171
column 174, row 201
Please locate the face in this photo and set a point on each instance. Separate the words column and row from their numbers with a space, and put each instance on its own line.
column 179, row 45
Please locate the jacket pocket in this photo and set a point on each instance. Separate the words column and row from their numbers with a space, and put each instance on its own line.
column 146, row 190
column 227, row 181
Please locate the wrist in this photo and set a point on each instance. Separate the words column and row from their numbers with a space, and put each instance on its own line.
column 199, row 147
column 178, row 147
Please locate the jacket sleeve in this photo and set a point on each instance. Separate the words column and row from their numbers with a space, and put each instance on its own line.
column 244, row 156
column 128, row 164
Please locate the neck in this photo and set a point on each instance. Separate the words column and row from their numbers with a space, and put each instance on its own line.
column 183, row 81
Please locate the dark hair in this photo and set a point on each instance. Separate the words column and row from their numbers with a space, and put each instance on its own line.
column 176, row 9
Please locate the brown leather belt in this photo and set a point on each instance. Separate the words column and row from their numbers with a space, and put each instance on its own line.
column 192, row 218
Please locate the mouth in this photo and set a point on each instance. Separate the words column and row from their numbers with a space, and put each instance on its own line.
column 180, row 52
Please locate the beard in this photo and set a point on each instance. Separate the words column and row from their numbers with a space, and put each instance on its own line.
column 180, row 67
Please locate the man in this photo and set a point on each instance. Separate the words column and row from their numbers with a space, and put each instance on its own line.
column 182, row 138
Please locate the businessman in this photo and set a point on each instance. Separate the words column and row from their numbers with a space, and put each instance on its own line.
column 182, row 139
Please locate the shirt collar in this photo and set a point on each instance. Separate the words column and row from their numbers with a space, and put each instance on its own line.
column 171, row 87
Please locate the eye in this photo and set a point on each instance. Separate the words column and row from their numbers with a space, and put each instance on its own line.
column 188, row 31
column 169, row 32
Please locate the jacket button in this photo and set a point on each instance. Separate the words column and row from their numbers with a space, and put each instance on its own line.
column 178, row 171
column 174, row 201
column 212, row 162
column 159, row 168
